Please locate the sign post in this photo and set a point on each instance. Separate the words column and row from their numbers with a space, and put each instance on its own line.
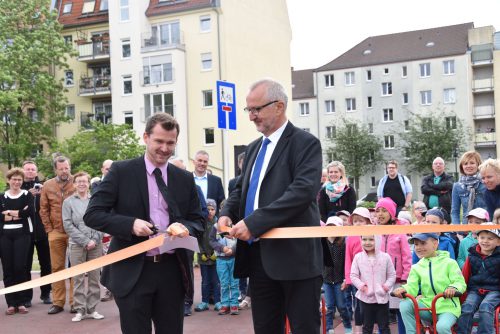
column 226, row 119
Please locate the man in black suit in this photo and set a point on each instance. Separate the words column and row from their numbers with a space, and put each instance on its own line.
column 280, row 180
column 211, row 185
column 131, row 199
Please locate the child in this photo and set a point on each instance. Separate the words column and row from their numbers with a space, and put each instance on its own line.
column 434, row 273
column 482, row 274
column 396, row 245
column 446, row 243
column 333, row 279
column 225, row 248
column 373, row 275
column 206, row 259
column 475, row 216
column 360, row 216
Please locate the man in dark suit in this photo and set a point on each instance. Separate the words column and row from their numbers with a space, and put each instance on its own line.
column 280, row 180
column 211, row 185
column 131, row 199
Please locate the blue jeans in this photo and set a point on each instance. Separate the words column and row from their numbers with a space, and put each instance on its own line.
column 486, row 304
column 335, row 297
column 349, row 293
column 209, row 283
column 445, row 320
column 229, row 285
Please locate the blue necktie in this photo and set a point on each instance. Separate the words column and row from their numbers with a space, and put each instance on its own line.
column 254, row 180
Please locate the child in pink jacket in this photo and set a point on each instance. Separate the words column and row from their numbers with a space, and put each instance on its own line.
column 373, row 274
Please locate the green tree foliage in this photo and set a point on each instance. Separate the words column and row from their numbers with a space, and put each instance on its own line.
column 89, row 148
column 32, row 100
column 431, row 136
column 356, row 148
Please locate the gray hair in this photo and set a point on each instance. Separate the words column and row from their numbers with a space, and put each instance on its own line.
column 202, row 152
column 274, row 91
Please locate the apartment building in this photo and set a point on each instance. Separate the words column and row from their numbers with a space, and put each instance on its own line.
column 383, row 79
column 166, row 56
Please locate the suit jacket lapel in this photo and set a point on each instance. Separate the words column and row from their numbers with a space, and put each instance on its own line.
column 142, row 182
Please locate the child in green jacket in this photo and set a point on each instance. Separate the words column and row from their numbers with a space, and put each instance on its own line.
column 434, row 273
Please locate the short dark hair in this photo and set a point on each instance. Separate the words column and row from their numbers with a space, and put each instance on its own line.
column 60, row 159
column 392, row 162
column 167, row 122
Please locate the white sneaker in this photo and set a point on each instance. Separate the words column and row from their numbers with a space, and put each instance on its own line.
column 331, row 331
column 95, row 315
column 78, row 317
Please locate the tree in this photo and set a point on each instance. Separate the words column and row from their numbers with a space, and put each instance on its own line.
column 89, row 148
column 434, row 135
column 356, row 148
column 32, row 100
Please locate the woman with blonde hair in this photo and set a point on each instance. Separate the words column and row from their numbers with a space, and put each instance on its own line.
column 490, row 174
column 336, row 195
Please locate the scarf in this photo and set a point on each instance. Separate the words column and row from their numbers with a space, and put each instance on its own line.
column 470, row 183
column 335, row 190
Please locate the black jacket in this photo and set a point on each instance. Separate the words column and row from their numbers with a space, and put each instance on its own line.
column 442, row 190
column 38, row 228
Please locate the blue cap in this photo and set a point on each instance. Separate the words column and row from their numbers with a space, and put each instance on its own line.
column 423, row 237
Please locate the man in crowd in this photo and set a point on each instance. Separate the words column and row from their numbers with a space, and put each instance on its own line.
column 437, row 187
column 395, row 186
column 285, row 280
column 54, row 192
column 39, row 239
column 106, row 165
column 211, row 185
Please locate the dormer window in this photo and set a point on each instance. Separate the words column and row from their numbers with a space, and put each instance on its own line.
column 88, row 6
column 67, row 8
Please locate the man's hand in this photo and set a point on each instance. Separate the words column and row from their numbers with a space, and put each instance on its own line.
column 224, row 221
column 91, row 245
column 240, row 231
column 141, row 228
column 177, row 230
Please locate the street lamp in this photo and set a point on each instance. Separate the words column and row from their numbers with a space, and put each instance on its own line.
column 455, row 155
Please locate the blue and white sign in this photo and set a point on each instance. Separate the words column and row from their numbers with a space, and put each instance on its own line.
column 226, row 105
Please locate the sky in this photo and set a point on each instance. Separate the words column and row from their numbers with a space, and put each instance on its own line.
column 322, row 30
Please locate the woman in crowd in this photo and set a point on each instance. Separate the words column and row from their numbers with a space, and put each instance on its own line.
column 15, row 228
column 490, row 174
column 336, row 195
column 468, row 192
column 85, row 244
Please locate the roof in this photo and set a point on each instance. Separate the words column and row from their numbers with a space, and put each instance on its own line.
column 302, row 84
column 405, row 46
column 158, row 7
column 75, row 18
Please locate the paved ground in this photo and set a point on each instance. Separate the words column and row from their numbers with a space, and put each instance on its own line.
column 39, row 322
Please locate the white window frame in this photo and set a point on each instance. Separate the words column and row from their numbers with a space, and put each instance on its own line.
column 203, row 23
column 205, row 130
column 387, row 115
column 126, row 41
column 67, row 8
column 158, row 68
column 350, row 104
column 425, row 70
column 426, row 97
column 71, row 115
column 128, row 115
column 204, row 96
column 449, row 67
column 451, row 122
column 69, row 81
column 88, row 6
column 389, row 142
column 404, row 71
column 349, row 78
column 304, row 109
column 127, row 78
column 206, row 61
column 330, row 106
column 329, row 80
column 449, row 96
column 405, row 99
column 124, row 9
column 331, row 131
column 386, row 89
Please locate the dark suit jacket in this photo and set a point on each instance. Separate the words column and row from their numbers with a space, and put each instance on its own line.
column 287, row 198
column 215, row 190
column 120, row 199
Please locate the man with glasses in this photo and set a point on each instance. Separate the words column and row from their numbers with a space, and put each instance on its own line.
column 437, row 186
column 395, row 186
column 277, row 188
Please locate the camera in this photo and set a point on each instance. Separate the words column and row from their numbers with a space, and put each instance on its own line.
column 37, row 186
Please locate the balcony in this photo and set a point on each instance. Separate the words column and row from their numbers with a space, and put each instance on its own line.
column 153, row 77
column 484, row 112
column 152, row 42
column 482, row 85
column 95, row 86
column 93, row 51
column 485, row 139
column 147, row 112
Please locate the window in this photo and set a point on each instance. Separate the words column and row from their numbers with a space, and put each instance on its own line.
column 368, row 75
column 330, row 106
column 157, row 69
column 103, row 112
column 304, row 109
column 129, row 118
column 405, row 98
column 209, row 136
column 104, row 5
column 156, row 103
column 386, row 88
column 351, row 129
column 386, row 70
column 449, row 96
column 331, row 132
column 404, row 71
column 33, row 114
column 426, row 97
column 127, row 84
column 350, row 104
column 451, row 123
column 449, row 67
column 369, row 102
column 426, row 124
column 389, row 142
column 329, row 80
column 163, row 35
column 207, row 98
column 88, row 6
column 370, row 127
column 70, row 111
column 349, row 78
column 407, row 125
column 388, row 115
column 425, row 70
column 68, row 39
column 373, row 182
column 205, row 23
column 124, row 11
column 67, row 8
column 206, row 61
column 125, row 48
column 68, row 78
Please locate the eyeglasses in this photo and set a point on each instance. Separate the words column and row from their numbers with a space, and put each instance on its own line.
column 256, row 110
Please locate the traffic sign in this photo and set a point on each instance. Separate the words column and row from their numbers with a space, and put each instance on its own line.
column 226, row 105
